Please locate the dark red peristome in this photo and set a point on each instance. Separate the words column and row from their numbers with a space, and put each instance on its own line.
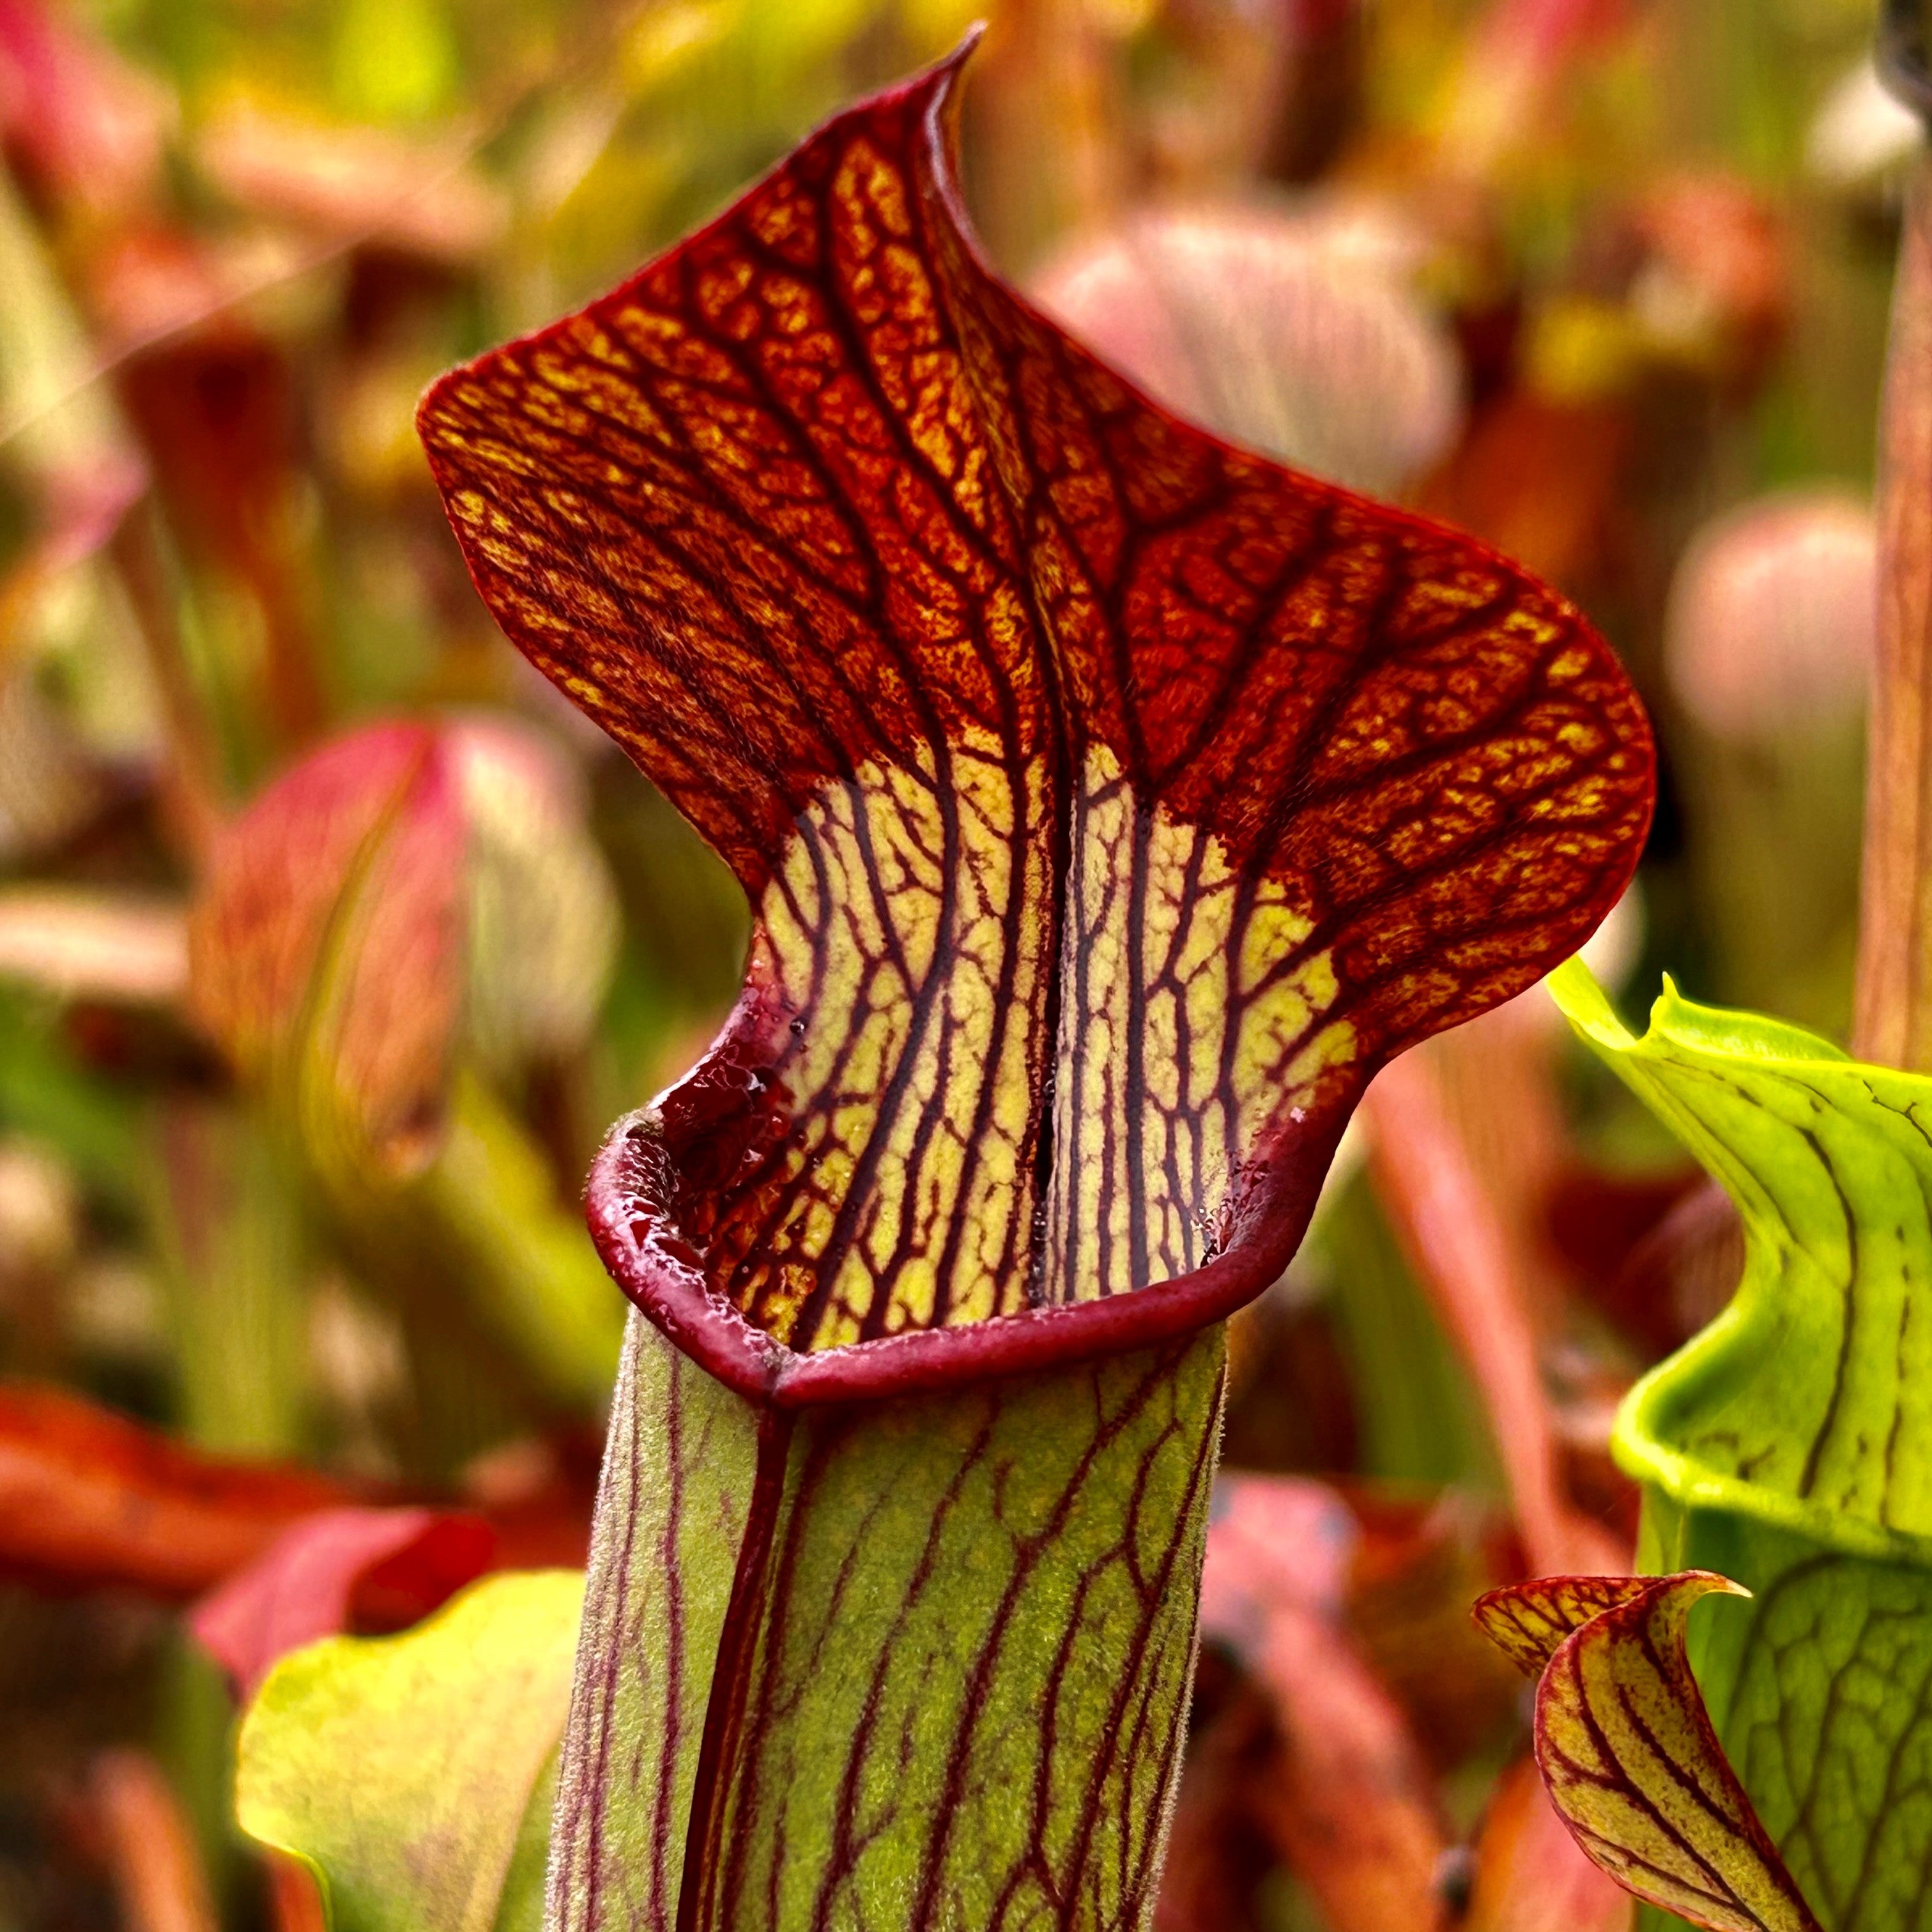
column 633, row 1188
column 815, row 495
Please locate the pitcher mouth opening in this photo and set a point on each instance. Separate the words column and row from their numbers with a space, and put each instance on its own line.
column 639, row 1176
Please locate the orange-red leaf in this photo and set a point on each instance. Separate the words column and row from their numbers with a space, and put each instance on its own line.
column 144, row 1837
column 1457, row 1242
column 1628, row 1753
column 89, row 1500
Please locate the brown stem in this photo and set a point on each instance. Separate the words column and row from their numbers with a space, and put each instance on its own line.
column 295, row 1902
column 1893, row 1021
column 1319, row 92
column 150, row 1851
column 1457, row 1243
column 190, row 783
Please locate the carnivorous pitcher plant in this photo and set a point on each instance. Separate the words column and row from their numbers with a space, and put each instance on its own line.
column 1112, row 803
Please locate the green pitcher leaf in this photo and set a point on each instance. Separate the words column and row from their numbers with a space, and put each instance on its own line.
column 1786, row 1446
column 1808, row 1404
column 1628, row 1752
column 415, row 1775
column 947, row 1667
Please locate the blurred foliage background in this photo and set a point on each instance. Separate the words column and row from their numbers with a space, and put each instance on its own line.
column 292, row 1130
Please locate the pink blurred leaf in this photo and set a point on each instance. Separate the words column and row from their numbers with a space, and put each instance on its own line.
column 325, row 949
column 85, row 123
column 399, row 878
column 307, row 1586
column 1773, row 615
column 1266, row 328
column 1351, row 1808
column 1514, row 61
column 353, row 185
column 83, row 498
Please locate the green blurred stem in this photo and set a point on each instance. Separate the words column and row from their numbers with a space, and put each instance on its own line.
column 1893, row 1025
column 194, row 1733
column 526, row 1260
column 1776, row 836
column 1419, row 1419
column 229, row 1231
column 232, row 1236
column 506, row 1305
column 191, row 780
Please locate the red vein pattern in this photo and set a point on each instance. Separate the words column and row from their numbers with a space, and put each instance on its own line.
column 1527, row 1621
column 324, row 943
column 1627, row 1750
column 1113, row 803
column 931, row 1652
column 996, row 1754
